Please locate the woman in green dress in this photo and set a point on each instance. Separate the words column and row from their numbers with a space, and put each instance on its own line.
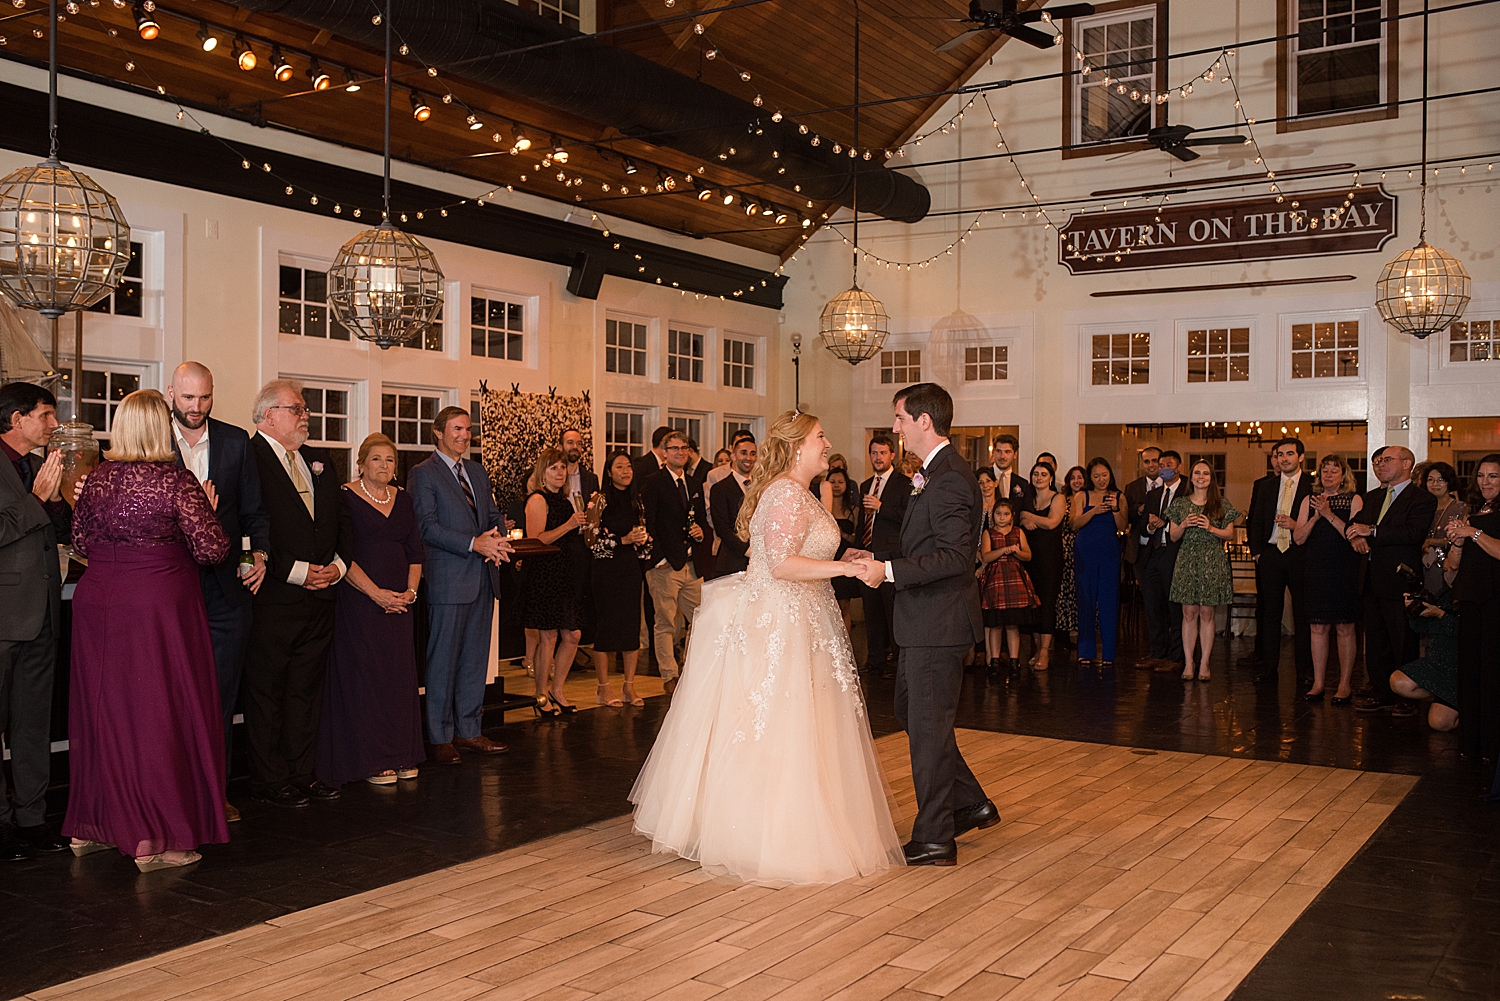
column 1201, row 580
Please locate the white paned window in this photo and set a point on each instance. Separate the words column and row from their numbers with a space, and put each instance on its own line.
column 625, row 429
column 406, row 417
column 302, row 309
column 689, row 424
column 1474, row 340
column 1215, row 462
column 898, row 368
column 576, row 14
column 129, row 296
column 739, row 363
column 1218, row 354
column 497, row 328
column 1338, row 56
column 625, row 347
column 103, row 389
column 1325, row 350
column 987, row 363
column 328, row 424
column 432, row 337
column 1120, row 359
column 684, row 356
column 733, row 425
column 1119, row 46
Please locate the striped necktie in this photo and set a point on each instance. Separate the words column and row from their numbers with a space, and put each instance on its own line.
column 463, row 481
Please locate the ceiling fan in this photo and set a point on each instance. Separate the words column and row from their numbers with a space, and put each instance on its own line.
column 1002, row 16
column 1174, row 139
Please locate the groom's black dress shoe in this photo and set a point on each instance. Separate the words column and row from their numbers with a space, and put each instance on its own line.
column 928, row 853
column 981, row 816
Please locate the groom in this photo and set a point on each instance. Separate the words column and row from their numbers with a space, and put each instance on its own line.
column 937, row 621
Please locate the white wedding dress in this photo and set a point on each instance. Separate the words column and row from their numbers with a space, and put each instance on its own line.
column 764, row 768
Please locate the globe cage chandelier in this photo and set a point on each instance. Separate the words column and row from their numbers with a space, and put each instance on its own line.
column 64, row 243
column 385, row 285
column 854, row 324
column 1425, row 289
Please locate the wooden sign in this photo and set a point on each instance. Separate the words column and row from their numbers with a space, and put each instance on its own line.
column 1314, row 224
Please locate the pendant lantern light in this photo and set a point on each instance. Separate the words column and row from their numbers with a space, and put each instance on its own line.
column 1425, row 289
column 385, row 285
column 64, row 243
column 854, row 324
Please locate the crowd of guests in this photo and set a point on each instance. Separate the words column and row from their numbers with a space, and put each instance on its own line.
column 228, row 568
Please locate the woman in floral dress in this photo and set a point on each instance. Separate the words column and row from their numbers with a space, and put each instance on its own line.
column 1201, row 581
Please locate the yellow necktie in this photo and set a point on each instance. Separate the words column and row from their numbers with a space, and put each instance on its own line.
column 300, row 482
column 1284, row 506
column 1390, row 495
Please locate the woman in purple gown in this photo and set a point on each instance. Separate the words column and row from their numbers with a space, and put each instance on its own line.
column 372, row 721
column 145, row 733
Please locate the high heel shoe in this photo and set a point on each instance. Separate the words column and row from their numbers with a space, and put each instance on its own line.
column 629, row 695
column 152, row 863
column 605, row 699
column 1203, row 674
column 566, row 708
column 1043, row 660
column 1187, row 675
column 82, row 848
column 545, row 709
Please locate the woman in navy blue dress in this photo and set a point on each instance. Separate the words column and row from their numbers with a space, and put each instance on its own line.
column 1098, row 517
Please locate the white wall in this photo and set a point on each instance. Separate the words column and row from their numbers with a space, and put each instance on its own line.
column 1012, row 282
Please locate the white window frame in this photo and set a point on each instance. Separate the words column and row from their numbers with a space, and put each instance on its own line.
column 1077, row 83
column 443, row 396
column 1286, row 321
column 1294, row 24
column 146, row 371
column 647, row 416
column 529, row 345
column 646, row 352
column 357, row 420
column 293, row 260
column 587, row 13
column 1158, row 359
column 995, row 343
column 755, row 425
column 706, row 426
column 710, row 356
column 757, row 367
column 924, row 363
column 1180, row 354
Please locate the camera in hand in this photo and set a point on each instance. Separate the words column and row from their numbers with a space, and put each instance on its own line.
column 1418, row 595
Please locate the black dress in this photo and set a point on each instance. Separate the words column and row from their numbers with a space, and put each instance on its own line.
column 617, row 577
column 1332, row 575
column 845, row 588
column 371, row 718
column 555, row 585
column 1046, row 571
column 1477, row 588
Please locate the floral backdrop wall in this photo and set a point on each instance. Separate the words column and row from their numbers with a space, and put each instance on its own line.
column 515, row 426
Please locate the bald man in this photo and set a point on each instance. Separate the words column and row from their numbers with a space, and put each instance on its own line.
column 220, row 453
column 1388, row 532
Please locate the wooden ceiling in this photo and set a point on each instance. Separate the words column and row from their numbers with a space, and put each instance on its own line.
column 799, row 57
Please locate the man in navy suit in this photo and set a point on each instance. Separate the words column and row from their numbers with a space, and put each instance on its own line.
column 465, row 537
column 219, row 453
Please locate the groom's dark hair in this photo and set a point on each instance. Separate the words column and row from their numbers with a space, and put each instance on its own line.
column 931, row 399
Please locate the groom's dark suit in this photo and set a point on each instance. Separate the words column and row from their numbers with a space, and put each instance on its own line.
column 937, row 620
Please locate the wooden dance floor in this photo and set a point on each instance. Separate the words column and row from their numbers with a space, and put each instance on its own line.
column 1118, row 874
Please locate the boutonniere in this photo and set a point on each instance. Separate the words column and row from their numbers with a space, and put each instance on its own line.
column 317, row 468
column 918, row 481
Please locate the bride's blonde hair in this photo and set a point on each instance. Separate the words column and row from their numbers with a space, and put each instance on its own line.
column 777, row 453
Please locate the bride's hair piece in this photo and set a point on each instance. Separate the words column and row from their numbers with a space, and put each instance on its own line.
column 777, row 454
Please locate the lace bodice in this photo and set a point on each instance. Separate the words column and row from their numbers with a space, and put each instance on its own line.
column 789, row 521
column 147, row 504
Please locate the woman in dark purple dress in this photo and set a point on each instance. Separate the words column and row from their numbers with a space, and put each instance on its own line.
column 372, row 721
column 145, row 733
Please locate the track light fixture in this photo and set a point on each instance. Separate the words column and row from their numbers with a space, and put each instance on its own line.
column 727, row 197
column 752, row 208
column 521, row 144
column 782, row 215
column 705, row 194
column 145, row 23
column 243, row 54
column 559, row 155
column 630, row 167
column 351, row 85
column 281, row 68
column 320, row 80
column 208, row 41
column 419, row 108
column 474, row 123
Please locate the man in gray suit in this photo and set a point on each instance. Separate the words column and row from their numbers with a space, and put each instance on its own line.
column 937, row 620
column 33, row 517
column 465, row 538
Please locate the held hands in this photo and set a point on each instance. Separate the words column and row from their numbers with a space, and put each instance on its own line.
column 48, row 477
column 871, row 572
column 393, row 603
column 850, row 555
column 1354, row 531
column 321, row 577
column 1460, row 529
column 493, row 547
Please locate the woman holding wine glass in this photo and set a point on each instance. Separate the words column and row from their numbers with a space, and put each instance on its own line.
column 555, row 587
column 617, row 539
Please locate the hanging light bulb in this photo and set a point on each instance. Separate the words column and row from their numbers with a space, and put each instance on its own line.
column 320, row 80
column 419, row 108
column 522, row 144
column 473, row 122
column 207, row 41
column 630, row 167
column 281, row 67
column 559, row 154
column 244, row 55
column 145, row 23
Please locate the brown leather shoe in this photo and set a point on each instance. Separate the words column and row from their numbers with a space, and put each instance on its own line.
column 230, row 813
column 480, row 745
column 444, row 754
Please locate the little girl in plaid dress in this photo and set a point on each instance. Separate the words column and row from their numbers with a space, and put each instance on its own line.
column 1008, row 596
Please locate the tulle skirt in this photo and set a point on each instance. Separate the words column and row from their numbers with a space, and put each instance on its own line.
column 764, row 769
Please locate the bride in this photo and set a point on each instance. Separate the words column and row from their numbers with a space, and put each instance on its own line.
column 764, row 768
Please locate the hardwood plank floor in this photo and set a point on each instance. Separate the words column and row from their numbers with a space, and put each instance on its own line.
column 1118, row 874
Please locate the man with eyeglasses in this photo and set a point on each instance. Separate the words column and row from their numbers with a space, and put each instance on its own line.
column 1389, row 531
column 292, row 623
column 675, row 514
